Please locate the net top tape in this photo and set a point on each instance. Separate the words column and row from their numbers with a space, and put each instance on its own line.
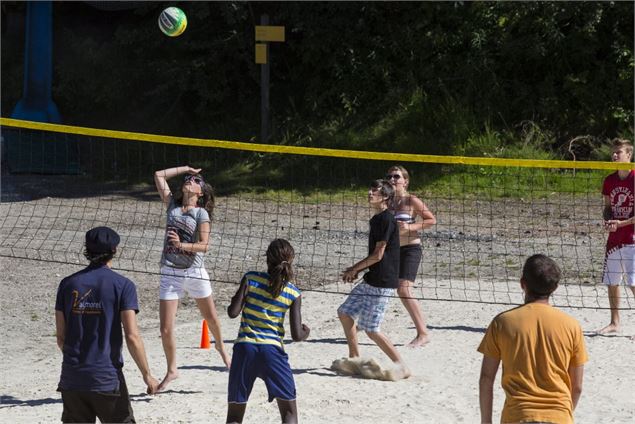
column 313, row 151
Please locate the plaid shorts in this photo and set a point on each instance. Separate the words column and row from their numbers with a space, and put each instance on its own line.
column 367, row 304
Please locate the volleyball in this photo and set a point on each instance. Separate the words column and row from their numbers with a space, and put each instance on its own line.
column 172, row 21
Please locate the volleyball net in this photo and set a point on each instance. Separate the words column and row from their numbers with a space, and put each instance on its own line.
column 59, row 181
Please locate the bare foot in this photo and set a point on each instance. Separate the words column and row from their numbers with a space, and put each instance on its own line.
column 224, row 356
column 170, row 376
column 611, row 328
column 420, row 340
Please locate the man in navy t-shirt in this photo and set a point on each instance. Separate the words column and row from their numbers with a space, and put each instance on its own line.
column 92, row 306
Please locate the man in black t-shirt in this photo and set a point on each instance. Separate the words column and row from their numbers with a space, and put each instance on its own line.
column 368, row 301
column 91, row 307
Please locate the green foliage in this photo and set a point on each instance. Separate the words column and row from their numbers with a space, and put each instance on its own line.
column 502, row 79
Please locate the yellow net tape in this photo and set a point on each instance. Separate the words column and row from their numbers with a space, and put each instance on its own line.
column 313, row 151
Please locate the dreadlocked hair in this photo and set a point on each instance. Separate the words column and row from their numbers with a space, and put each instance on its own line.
column 280, row 254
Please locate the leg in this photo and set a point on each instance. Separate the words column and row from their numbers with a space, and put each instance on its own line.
column 614, row 302
column 388, row 348
column 77, row 407
column 235, row 412
column 114, row 408
column 288, row 411
column 385, row 345
column 167, row 318
column 412, row 306
column 350, row 331
column 208, row 311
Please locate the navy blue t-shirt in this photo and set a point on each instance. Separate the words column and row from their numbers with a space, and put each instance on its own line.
column 385, row 273
column 92, row 300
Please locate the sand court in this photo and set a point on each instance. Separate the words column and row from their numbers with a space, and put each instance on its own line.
column 443, row 387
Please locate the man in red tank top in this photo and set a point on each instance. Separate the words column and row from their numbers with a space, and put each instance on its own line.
column 619, row 206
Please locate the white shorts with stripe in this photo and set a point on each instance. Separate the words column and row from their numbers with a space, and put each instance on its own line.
column 620, row 263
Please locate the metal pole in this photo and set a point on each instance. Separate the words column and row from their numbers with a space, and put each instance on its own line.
column 265, row 71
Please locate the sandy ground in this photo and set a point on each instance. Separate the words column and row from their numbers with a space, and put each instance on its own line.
column 443, row 388
column 474, row 254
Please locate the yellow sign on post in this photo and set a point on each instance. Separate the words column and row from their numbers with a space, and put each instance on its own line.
column 269, row 33
column 261, row 53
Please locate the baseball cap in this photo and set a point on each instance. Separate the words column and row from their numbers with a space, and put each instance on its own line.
column 102, row 240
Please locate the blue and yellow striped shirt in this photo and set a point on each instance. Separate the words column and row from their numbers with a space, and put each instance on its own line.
column 262, row 320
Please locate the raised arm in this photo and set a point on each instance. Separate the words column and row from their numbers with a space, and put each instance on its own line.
column 489, row 368
column 137, row 350
column 299, row 331
column 162, row 176
column 350, row 274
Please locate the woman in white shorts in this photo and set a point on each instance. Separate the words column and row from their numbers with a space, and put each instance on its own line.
column 182, row 267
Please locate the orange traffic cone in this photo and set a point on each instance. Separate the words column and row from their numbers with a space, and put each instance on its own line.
column 205, row 344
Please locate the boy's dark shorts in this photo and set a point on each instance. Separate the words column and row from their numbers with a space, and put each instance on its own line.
column 109, row 407
column 268, row 362
column 409, row 260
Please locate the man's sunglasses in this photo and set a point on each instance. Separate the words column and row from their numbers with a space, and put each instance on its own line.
column 198, row 180
column 393, row 177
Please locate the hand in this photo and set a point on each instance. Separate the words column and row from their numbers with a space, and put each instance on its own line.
column 152, row 383
column 173, row 238
column 306, row 330
column 611, row 225
column 403, row 225
column 349, row 275
column 193, row 171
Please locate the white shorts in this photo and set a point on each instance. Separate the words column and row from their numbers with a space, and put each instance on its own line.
column 175, row 281
column 620, row 262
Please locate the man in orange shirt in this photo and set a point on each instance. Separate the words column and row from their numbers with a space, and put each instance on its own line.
column 542, row 350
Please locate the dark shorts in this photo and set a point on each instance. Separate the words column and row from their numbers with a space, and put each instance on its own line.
column 109, row 407
column 409, row 261
column 268, row 362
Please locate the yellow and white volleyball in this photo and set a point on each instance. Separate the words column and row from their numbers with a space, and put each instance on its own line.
column 172, row 21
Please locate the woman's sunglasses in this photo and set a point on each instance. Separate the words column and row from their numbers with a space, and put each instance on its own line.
column 198, row 180
column 393, row 177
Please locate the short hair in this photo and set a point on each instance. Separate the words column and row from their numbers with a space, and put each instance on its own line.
column 541, row 275
column 385, row 188
column 622, row 143
column 404, row 171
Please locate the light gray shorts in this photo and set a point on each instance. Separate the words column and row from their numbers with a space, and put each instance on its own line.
column 620, row 263
column 175, row 282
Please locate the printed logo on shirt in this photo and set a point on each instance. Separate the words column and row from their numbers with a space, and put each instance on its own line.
column 85, row 303
column 185, row 228
column 623, row 202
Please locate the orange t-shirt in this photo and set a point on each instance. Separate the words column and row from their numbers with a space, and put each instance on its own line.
column 537, row 344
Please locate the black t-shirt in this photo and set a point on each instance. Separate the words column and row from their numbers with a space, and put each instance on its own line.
column 384, row 273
